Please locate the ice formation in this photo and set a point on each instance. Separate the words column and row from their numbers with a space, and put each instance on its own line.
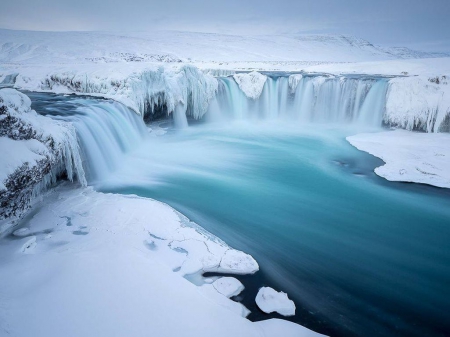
column 35, row 150
column 269, row 300
column 419, row 103
column 228, row 286
column 251, row 84
column 131, row 248
column 410, row 156
column 147, row 90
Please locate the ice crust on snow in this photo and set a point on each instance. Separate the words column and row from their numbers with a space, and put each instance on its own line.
column 114, row 257
column 269, row 300
column 409, row 156
column 251, row 84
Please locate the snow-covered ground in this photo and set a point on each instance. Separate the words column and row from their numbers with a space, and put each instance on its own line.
column 174, row 46
column 90, row 264
column 409, row 156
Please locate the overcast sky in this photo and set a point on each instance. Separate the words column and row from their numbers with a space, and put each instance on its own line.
column 422, row 24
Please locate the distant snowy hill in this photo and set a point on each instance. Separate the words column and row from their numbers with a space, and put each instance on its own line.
column 28, row 47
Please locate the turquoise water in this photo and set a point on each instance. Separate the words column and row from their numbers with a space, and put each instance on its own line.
column 360, row 256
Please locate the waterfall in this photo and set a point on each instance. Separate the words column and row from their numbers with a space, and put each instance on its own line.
column 307, row 98
column 106, row 130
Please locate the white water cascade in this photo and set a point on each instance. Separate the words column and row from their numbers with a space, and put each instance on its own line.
column 306, row 98
column 106, row 130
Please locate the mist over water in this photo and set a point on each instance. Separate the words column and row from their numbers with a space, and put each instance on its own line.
column 358, row 255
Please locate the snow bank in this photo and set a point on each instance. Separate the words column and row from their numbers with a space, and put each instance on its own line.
column 269, row 300
column 252, row 84
column 34, row 151
column 409, row 156
column 105, row 264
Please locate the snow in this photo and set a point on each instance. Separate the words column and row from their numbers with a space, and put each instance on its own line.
column 418, row 103
column 172, row 47
column 15, row 153
column 251, row 84
column 110, row 281
column 176, row 69
column 409, row 156
column 228, row 286
column 269, row 300
column 278, row 327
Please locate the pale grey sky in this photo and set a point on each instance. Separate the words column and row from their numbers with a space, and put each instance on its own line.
column 415, row 23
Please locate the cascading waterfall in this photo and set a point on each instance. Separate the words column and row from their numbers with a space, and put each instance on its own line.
column 106, row 130
column 355, row 100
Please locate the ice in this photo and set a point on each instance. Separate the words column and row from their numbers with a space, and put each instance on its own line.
column 419, row 103
column 409, row 156
column 228, row 286
column 35, row 151
column 111, row 271
column 269, row 300
column 251, row 84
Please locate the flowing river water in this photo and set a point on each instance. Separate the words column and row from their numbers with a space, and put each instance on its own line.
column 359, row 256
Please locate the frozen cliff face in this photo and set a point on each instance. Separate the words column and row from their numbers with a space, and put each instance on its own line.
column 186, row 88
column 419, row 103
column 252, row 84
column 35, row 150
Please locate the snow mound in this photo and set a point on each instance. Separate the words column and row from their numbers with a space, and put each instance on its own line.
column 409, row 156
column 269, row 300
column 252, row 84
column 228, row 286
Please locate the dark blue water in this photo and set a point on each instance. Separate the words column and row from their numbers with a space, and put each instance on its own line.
column 359, row 256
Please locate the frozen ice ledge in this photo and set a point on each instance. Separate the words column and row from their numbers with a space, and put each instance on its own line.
column 35, row 151
column 409, row 102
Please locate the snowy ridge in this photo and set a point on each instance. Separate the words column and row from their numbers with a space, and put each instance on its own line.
column 35, row 150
